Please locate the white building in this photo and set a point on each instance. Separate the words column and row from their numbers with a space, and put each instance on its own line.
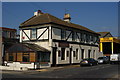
column 67, row 42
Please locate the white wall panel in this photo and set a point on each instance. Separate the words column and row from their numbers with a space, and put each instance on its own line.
column 40, row 31
column 24, row 37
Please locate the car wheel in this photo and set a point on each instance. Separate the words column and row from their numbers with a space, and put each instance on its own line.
column 91, row 64
column 97, row 63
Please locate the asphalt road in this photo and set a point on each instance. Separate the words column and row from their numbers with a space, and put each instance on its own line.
column 99, row 71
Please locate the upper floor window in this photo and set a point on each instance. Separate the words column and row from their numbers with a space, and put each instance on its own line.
column 33, row 33
column 87, row 38
column 74, row 36
column 63, row 34
column 91, row 38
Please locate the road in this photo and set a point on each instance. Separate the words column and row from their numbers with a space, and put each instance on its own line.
column 99, row 71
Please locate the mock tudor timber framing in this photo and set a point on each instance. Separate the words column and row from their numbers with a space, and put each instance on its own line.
column 37, row 38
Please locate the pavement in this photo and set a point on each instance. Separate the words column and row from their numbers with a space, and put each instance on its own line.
column 55, row 68
column 45, row 69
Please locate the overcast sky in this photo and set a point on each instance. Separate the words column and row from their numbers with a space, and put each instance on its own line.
column 97, row 16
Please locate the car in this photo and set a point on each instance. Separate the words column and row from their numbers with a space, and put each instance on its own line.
column 89, row 62
column 115, row 58
column 103, row 60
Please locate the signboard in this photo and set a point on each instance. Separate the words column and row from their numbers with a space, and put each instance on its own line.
column 110, row 39
column 106, row 39
column 63, row 44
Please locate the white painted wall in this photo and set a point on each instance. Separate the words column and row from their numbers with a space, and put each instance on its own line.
column 27, row 65
column 44, row 44
column 74, row 47
column 23, row 35
column 40, row 31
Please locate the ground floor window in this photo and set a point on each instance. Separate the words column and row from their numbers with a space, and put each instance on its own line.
column 11, row 58
column 77, row 54
column 67, row 53
column 62, row 53
column 59, row 53
column 43, row 57
column 26, row 57
column 89, row 52
column 93, row 53
column 82, row 53
column 74, row 54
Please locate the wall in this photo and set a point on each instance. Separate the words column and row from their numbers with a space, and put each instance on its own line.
column 93, row 54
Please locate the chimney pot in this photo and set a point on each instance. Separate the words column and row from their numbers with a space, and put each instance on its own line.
column 37, row 13
column 67, row 17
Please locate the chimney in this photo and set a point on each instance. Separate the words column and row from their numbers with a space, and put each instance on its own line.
column 67, row 17
column 38, row 13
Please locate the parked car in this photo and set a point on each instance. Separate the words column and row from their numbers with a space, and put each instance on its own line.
column 89, row 62
column 115, row 58
column 104, row 59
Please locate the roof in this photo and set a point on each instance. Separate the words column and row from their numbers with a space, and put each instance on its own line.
column 35, row 47
column 104, row 34
column 26, row 47
column 47, row 18
column 10, row 29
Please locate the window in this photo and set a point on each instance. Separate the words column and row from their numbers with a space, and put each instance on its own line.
column 76, row 54
column 73, row 36
column 93, row 53
column 82, row 53
column 67, row 53
column 10, row 57
column 89, row 52
column 63, row 34
column 26, row 57
column 63, row 54
column 45, row 57
column 33, row 33
column 91, row 38
column 87, row 38
column 59, row 53
column 81, row 37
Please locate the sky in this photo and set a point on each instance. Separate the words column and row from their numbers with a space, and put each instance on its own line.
column 97, row 16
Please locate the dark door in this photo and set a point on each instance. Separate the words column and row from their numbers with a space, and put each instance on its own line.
column 70, row 55
column 54, row 56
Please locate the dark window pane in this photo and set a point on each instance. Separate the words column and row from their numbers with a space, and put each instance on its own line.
column 59, row 53
column 63, row 54
column 26, row 58
column 74, row 54
column 67, row 53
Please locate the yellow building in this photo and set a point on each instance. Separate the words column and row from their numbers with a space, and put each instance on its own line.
column 108, row 44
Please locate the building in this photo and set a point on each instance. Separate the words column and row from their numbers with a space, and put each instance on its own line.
column 25, row 53
column 8, row 37
column 109, row 44
column 67, row 42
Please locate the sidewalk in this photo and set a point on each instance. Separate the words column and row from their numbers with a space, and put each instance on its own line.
column 40, row 70
column 57, row 68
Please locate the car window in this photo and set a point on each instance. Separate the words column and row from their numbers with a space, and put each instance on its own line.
column 100, row 58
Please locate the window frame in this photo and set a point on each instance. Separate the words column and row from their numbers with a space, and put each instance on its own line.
column 24, row 55
column 33, row 32
column 62, row 53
